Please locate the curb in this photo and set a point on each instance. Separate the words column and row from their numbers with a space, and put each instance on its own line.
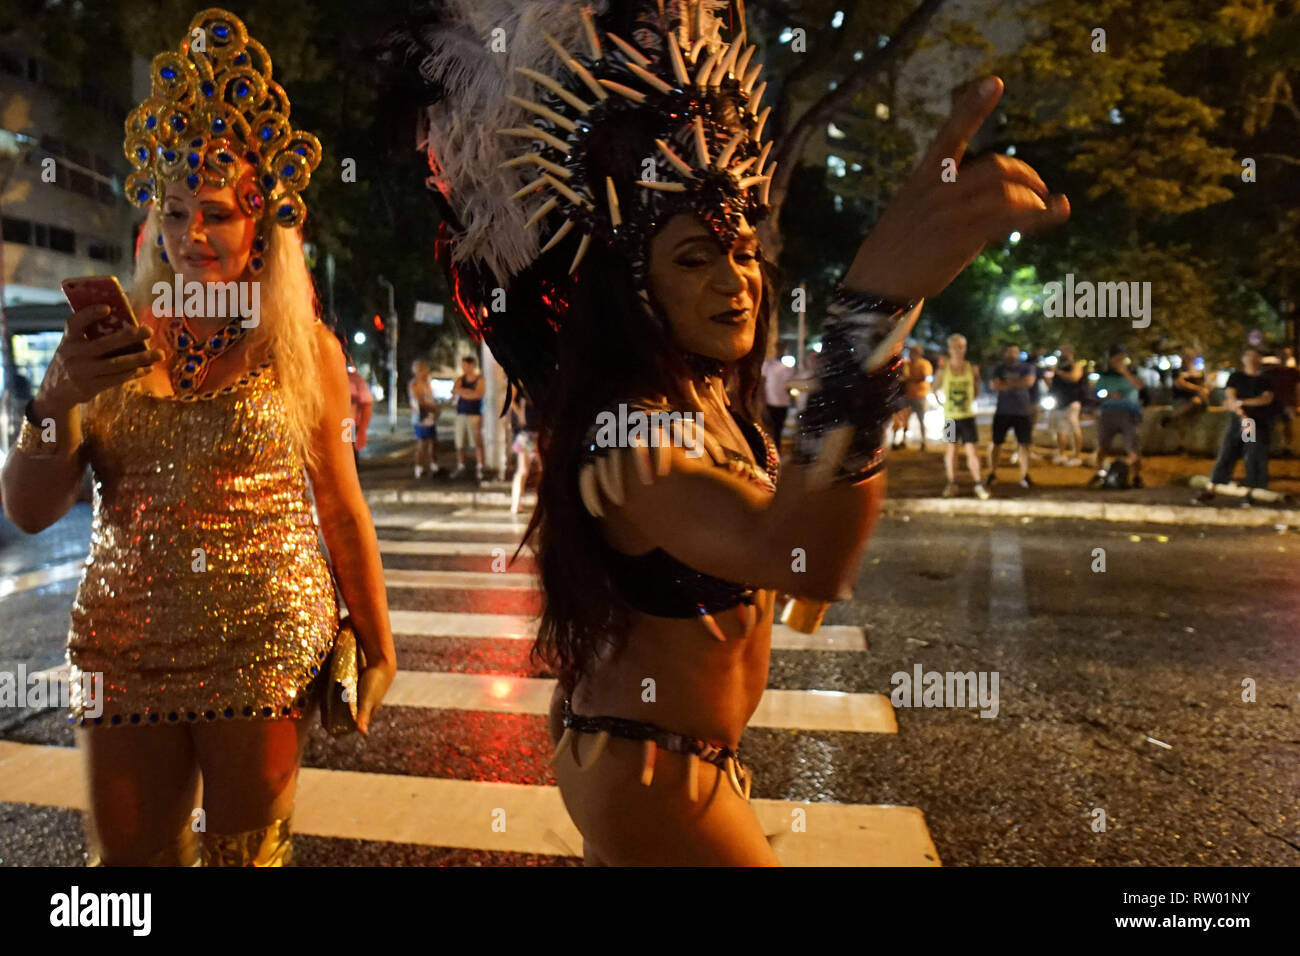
column 1098, row 511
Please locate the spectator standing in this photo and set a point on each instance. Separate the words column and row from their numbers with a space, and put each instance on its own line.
column 1283, row 381
column 1067, row 396
column 468, row 389
column 957, row 381
column 1249, row 398
column 363, row 403
column 1120, row 414
column 424, row 418
column 1012, row 380
column 917, row 372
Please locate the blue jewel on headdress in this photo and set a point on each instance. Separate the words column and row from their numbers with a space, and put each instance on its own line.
column 285, row 211
column 183, row 341
column 164, row 256
column 259, row 243
column 252, row 157
column 142, row 194
column 196, row 142
column 142, row 154
column 178, row 123
column 169, row 155
column 301, row 150
column 216, row 341
column 256, row 263
column 221, row 30
column 168, row 73
column 193, row 160
column 225, row 158
column 150, row 122
column 192, row 180
column 160, row 240
column 268, row 181
column 288, row 171
column 241, row 88
column 190, row 366
column 267, row 131
column 218, row 125
column 207, row 87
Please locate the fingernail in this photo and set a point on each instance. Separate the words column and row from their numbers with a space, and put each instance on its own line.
column 102, row 310
column 989, row 86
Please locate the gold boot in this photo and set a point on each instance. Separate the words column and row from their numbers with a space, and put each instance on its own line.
column 270, row 845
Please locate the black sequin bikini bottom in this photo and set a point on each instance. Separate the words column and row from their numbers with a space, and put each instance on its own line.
column 726, row 759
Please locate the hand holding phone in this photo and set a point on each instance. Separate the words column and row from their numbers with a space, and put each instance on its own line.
column 102, row 347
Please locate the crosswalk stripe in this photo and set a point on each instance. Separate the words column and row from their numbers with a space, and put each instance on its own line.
column 828, row 637
column 431, row 811
column 443, row 548
column 506, row 694
column 495, row 580
column 26, row 581
column 442, row 524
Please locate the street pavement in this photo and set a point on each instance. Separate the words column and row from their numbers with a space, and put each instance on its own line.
column 1120, row 692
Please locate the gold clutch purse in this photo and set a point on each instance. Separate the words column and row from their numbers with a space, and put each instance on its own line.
column 338, row 709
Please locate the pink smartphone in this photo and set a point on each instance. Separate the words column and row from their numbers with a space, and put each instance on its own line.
column 103, row 290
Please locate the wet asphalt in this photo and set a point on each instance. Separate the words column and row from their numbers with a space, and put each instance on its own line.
column 1119, row 691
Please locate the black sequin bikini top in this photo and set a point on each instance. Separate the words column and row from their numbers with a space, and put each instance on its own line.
column 657, row 583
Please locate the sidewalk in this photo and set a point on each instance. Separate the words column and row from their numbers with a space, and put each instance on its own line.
column 916, row 482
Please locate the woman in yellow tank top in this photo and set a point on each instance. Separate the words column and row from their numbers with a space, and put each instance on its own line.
column 958, row 382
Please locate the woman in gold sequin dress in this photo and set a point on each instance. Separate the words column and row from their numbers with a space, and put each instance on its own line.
column 206, row 604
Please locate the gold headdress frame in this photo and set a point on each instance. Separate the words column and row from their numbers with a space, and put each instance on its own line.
column 213, row 103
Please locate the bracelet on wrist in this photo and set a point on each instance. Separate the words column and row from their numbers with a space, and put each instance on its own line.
column 846, row 301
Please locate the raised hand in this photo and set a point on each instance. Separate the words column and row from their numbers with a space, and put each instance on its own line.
column 935, row 226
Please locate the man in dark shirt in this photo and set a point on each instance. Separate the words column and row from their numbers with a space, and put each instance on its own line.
column 1012, row 380
column 1282, row 381
column 1250, row 399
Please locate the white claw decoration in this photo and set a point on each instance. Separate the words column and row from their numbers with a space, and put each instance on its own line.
column 590, row 27
column 648, row 762
column 582, row 251
column 611, row 194
column 701, row 145
column 757, row 98
column 712, row 445
column 762, row 156
column 679, row 65
column 750, row 78
column 533, row 133
column 566, row 192
column 739, row 168
column 641, row 456
column 542, row 210
column 624, row 91
column 549, row 115
column 771, row 174
column 546, row 164
column 539, row 181
column 743, row 63
column 678, row 163
column 650, row 79
column 611, row 477
column 542, row 79
column 559, row 234
column 729, row 63
column 576, row 68
column 712, row 627
column 566, row 741
column 720, row 68
column 749, row 181
column 632, row 53
column 602, row 738
column 663, row 187
column 762, row 119
column 729, row 150
column 706, row 71
column 587, row 488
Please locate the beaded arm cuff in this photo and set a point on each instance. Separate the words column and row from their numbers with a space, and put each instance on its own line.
column 855, row 386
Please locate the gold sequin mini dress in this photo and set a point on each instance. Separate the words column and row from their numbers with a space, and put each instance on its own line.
column 205, row 596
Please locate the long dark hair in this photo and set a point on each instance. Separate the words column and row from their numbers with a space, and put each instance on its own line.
column 609, row 351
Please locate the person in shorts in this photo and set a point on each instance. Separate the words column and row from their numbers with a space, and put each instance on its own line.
column 1013, row 380
column 957, row 382
column 424, row 418
column 468, row 389
column 1120, row 415
column 1067, row 397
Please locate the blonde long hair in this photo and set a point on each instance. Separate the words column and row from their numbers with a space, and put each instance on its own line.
column 287, row 327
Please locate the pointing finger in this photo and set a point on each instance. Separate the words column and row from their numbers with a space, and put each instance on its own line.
column 962, row 125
